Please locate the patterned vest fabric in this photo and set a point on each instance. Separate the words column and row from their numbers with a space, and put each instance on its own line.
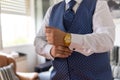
column 78, row 66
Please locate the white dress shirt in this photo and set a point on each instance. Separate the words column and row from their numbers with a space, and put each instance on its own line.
column 101, row 40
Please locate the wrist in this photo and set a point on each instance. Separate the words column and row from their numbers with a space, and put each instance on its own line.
column 67, row 39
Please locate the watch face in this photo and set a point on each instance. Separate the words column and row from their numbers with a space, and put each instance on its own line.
column 67, row 39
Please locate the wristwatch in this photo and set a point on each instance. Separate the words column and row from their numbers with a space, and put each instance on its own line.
column 67, row 39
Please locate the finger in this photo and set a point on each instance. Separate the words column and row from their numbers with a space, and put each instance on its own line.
column 50, row 27
column 62, row 56
column 67, row 53
column 63, row 48
column 49, row 40
column 48, row 30
column 49, row 34
column 63, row 52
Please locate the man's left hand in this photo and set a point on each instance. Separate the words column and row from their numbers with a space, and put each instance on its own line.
column 55, row 36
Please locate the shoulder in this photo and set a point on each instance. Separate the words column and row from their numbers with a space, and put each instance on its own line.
column 101, row 2
column 55, row 6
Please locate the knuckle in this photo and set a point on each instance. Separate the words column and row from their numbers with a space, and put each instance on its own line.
column 54, row 42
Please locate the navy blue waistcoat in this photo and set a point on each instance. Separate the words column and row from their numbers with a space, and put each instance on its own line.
column 78, row 66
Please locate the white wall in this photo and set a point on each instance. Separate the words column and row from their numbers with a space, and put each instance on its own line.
column 0, row 38
column 0, row 34
column 117, row 31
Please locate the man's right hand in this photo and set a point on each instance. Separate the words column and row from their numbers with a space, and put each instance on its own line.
column 60, row 52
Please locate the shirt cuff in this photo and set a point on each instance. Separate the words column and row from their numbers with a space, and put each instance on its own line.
column 77, row 45
column 46, row 51
column 75, row 39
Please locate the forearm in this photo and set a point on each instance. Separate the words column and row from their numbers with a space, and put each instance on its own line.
column 42, row 48
column 91, row 43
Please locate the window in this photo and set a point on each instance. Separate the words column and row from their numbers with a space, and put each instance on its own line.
column 16, row 23
column 114, row 6
column 41, row 6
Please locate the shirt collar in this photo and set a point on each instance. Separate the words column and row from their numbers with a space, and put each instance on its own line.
column 67, row 1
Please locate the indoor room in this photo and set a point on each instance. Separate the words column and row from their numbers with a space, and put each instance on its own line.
column 32, row 32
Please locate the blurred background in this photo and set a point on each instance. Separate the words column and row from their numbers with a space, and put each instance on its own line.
column 20, row 20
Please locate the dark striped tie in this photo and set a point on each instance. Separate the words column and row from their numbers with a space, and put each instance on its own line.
column 69, row 15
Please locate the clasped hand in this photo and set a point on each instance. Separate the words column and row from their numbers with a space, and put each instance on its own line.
column 55, row 37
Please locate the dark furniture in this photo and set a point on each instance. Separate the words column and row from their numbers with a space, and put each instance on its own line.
column 43, row 67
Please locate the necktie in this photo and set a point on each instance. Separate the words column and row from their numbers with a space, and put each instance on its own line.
column 69, row 15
